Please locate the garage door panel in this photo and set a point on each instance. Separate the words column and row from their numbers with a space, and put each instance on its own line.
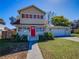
column 58, row 32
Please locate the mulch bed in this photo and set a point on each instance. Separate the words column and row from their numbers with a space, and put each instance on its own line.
column 13, row 48
column 18, row 55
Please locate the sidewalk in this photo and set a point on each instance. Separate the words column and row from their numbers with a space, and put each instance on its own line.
column 71, row 38
column 34, row 52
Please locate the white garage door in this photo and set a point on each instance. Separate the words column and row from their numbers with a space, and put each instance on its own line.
column 59, row 32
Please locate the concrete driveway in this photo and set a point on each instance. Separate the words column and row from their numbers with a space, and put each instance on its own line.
column 71, row 38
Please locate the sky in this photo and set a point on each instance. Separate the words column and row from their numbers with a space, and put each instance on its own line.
column 66, row 8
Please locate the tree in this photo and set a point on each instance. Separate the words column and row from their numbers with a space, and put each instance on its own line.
column 50, row 15
column 60, row 21
column 75, row 24
column 12, row 19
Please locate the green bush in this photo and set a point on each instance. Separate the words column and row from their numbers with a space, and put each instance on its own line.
column 76, row 31
column 46, row 36
column 15, row 38
column 22, row 38
column 41, row 38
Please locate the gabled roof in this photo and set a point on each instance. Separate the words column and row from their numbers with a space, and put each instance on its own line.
column 17, row 22
column 30, row 7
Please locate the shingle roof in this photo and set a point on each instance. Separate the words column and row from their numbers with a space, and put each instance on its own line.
column 17, row 22
column 32, row 6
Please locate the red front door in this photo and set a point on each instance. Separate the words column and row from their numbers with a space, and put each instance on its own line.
column 32, row 31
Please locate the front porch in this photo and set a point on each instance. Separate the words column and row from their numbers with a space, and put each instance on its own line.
column 32, row 32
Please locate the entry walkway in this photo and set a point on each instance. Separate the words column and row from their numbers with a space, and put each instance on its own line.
column 71, row 38
column 34, row 51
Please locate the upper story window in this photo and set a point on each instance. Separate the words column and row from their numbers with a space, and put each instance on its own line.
column 32, row 16
column 38, row 16
column 27, row 16
column 41, row 16
column 23, row 15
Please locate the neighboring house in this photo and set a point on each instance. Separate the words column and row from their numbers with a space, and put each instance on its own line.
column 2, row 27
column 8, row 33
column 31, row 21
column 5, row 32
column 75, row 26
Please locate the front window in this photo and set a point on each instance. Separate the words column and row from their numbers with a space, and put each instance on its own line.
column 27, row 15
column 23, row 15
column 34, row 16
column 38, row 16
column 24, row 28
column 41, row 16
column 40, row 29
column 30, row 16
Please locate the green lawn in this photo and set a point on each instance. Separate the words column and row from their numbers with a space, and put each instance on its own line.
column 60, row 49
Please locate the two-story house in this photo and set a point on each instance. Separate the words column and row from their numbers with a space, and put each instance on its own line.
column 31, row 21
column 2, row 27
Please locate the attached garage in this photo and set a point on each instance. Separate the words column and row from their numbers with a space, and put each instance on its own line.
column 60, row 31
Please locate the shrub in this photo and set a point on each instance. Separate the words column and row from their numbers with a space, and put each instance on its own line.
column 15, row 38
column 76, row 31
column 46, row 36
column 41, row 38
column 22, row 38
